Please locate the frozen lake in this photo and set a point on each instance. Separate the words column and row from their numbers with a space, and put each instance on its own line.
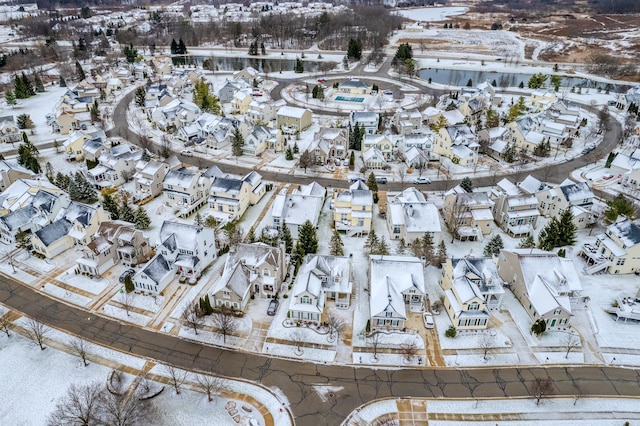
column 431, row 14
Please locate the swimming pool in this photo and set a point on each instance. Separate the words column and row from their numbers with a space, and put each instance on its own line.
column 349, row 99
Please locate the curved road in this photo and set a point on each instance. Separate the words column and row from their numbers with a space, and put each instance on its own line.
column 353, row 385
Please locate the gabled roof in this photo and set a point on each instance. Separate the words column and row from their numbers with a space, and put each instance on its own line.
column 226, row 185
column 157, row 269
column 19, row 218
column 627, row 231
column 81, row 213
column 176, row 235
column 390, row 276
column 54, row 232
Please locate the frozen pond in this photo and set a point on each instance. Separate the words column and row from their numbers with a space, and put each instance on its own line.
column 431, row 14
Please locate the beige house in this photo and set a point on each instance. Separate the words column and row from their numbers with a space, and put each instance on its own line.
column 148, row 178
column 229, row 197
column 354, row 87
column 407, row 122
column 513, row 210
column 576, row 196
column 185, row 190
column 241, row 101
column 616, row 251
column 329, row 144
column 114, row 242
column 396, row 287
column 9, row 131
column 523, row 134
column 472, row 287
column 467, row 214
column 10, row 171
column 292, row 120
column 353, row 209
column 74, row 145
column 373, row 158
column 409, row 216
column 544, row 283
column 381, row 142
column 458, row 143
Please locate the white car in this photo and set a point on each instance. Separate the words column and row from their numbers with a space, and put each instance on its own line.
column 427, row 317
column 187, row 153
column 421, row 180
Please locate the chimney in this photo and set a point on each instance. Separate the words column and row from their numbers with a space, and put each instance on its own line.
column 410, row 210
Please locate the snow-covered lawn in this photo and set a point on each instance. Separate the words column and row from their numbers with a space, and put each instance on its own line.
column 430, row 14
column 66, row 295
column 122, row 314
column 81, row 282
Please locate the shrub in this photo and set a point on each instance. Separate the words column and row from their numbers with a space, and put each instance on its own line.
column 451, row 332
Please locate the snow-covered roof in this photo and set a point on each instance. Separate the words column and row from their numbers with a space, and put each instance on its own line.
column 157, row 269
column 181, row 236
column 390, row 277
column 531, row 185
column 626, row 231
column 54, row 232
column 79, row 212
column 577, row 192
column 289, row 111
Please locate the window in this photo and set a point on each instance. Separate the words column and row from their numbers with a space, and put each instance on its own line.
column 388, row 314
column 306, row 300
column 396, row 229
column 557, row 312
column 474, row 306
column 620, row 261
column 265, row 272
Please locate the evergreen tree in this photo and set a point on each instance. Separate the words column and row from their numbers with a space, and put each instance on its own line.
column 130, row 53
column 567, row 228
column 402, row 247
column 441, row 256
column 28, row 86
column 296, row 149
column 492, row 119
column 142, row 220
column 182, row 48
column 372, row 241
column 10, row 97
column 19, row 87
column 145, row 156
column 62, row 82
column 285, row 237
column 23, row 239
column 205, row 100
column 427, row 249
column 27, row 159
column 141, row 96
column 620, row 205
column 109, row 204
column 79, row 72
column 548, row 236
column 251, row 235
column 527, row 242
column 336, row 246
column 62, row 181
column 494, row 246
column 129, row 286
column 38, row 83
column 237, row 141
column 23, row 121
column 380, row 248
column 126, row 213
column 466, row 184
column 174, row 47
column 372, row 184
column 288, row 154
column 352, row 161
column 354, row 49
column 307, row 238
column 80, row 189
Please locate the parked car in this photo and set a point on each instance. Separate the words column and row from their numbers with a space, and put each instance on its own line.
column 322, row 80
column 125, row 274
column 381, row 179
column 273, row 307
column 421, row 180
column 187, row 153
column 354, row 179
column 427, row 318
column 588, row 149
column 387, row 92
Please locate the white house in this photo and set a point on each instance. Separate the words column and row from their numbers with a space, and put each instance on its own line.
column 296, row 208
column 410, row 216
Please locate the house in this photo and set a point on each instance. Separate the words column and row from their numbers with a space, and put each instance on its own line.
column 471, row 287
column 241, row 101
column 92, row 149
column 148, row 179
column 615, row 251
column 263, row 110
column 115, row 167
column 416, row 158
column 374, row 159
column 292, row 120
column 329, row 145
column 185, row 190
column 410, row 216
column 457, row 143
column 74, row 144
column 515, row 211
column 260, row 139
column 77, row 226
column 42, row 209
column 541, row 100
column 296, row 208
column 114, row 242
column 544, row 283
column 176, row 114
column 395, row 284
column 627, row 166
column 183, row 250
column 576, row 196
column 524, row 134
column 250, row 269
column 381, row 142
column 353, row 209
column 230, row 197
column 228, row 90
column 365, row 119
column 10, row 171
column 249, row 75
column 407, row 122
column 9, row 131
column 354, row 87
column 467, row 214
column 320, row 278
column 21, row 192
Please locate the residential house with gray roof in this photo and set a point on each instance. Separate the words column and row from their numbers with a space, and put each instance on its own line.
column 296, row 208
column 230, row 197
column 616, row 250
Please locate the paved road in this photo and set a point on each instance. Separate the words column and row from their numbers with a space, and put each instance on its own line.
column 353, row 385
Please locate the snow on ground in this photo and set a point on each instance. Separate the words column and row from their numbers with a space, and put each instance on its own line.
column 40, row 265
column 84, row 283
column 19, row 274
column 308, row 354
column 122, row 314
column 144, row 302
column 430, row 14
column 386, row 360
column 66, row 295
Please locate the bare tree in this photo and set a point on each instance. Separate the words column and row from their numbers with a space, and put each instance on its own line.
column 4, row 326
column 486, row 343
column 456, row 215
column 409, row 350
column 541, row 388
column 402, row 172
column 297, row 337
column 210, row 385
column 177, row 378
column 10, row 255
column 80, row 406
column 373, row 341
column 225, row 323
column 125, row 410
column 192, row 318
column 336, row 326
column 126, row 299
column 570, row 341
column 36, row 332
column 80, row 346
column 420, row 166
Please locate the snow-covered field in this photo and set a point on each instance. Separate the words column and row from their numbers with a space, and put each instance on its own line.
column 431, row 14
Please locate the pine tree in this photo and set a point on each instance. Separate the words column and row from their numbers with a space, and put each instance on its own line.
column 285, row 237
column 548, row 236
column 141, row 96
column 142, row 220
column 566, row 228
column 466, row 184
column 308, row 238
column 79, row 72
column 352, row 161
column 38, row 83
column 372, row 241
column 381, row 247
column 10, row 97
column 126, row 213
column 23, row 121
column 129, row 286
column 20, row 89
column 27, row 159
column 182, row 48
column 441, row 256
column 288, row 155
column 427, row 248
column 527, row 242
column 402, row 248
column 237, row 141
column 80, row 189
column 174, row 47
column 372, row 184
column 251, row 235
column 62, row 82
column 336, row 246
column 109, row 204
column 145, row 156
column 62, row 181
column 494, row 246
column 28, row 85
